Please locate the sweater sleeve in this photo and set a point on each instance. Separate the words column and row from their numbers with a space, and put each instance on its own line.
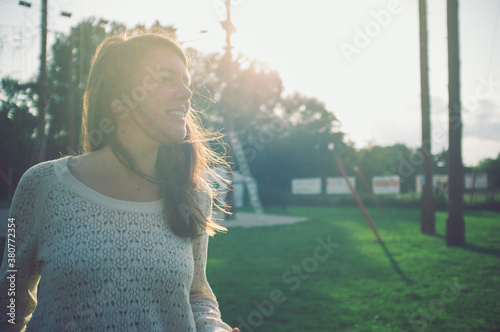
column 203, row 301
column 20, row 274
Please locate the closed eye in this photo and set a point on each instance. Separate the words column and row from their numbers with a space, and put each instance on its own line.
column 166, row 79
column 169, row 76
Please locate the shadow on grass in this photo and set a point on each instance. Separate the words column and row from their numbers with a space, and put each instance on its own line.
column 396, row 265
column 473, row 247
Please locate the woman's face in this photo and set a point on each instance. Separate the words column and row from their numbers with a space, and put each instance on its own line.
column 160, row 95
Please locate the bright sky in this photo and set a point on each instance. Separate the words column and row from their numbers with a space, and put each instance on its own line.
column 374, row 89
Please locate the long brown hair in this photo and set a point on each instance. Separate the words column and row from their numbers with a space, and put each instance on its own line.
column 184, row 167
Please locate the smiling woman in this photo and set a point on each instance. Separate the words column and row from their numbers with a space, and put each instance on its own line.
column 116, row 239
column 164, row 103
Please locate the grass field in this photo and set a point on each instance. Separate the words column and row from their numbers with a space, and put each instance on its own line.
column 281, row 278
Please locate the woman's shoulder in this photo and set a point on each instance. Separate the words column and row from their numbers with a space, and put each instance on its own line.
column 31, row 189
column 42, row 173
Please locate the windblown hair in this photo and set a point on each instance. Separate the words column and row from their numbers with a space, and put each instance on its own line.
column 183, row 167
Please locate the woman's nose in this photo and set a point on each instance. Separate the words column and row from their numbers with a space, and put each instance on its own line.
column 184, row 92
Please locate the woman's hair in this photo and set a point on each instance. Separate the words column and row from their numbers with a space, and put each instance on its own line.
column 183, row 168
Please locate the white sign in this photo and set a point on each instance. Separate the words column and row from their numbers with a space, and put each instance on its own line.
column 309, row 186
column 339, row 185
column 481, row 181
column 385, row 185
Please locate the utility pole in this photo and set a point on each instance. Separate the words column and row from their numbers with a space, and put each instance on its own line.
column 38, row 153
column 427, row 216
column 71, row 102
column 229, row 27
column 455, row 224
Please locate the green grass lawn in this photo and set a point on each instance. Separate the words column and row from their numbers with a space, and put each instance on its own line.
column 281, row 278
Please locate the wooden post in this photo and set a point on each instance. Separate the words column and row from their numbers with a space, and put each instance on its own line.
column 427, row 216
column 42, row 85
column 227, row 25
column 455, row 224
column 71, row 102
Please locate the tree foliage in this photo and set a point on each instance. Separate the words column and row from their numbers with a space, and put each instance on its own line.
column 69, row 68
column 492, row 168
column 397, row 159
column 17, row 127
column 283, row 137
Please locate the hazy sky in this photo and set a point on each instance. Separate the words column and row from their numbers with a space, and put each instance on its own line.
column 361, row 57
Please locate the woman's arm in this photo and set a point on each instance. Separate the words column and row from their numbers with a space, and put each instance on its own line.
column 19, row 274
column 203, row 301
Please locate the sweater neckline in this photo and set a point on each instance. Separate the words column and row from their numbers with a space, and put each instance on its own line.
column 64, row 174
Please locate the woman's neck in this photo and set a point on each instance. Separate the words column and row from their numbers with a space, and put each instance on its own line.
column 145, row 160
column 103, row 172
column 142, row 148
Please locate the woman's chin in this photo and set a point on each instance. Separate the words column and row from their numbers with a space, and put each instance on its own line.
column 175, row 137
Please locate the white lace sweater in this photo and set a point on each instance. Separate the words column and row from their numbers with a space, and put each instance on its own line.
column 89, row 262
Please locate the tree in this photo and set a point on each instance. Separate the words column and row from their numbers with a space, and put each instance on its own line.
column 303, row 142
column 17, row 126
column 70, row 60
column 387, row 160
column 256, row 91
column 282, row 137
column 492, row 168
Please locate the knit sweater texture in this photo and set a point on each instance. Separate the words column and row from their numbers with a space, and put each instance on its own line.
column 88, row 262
